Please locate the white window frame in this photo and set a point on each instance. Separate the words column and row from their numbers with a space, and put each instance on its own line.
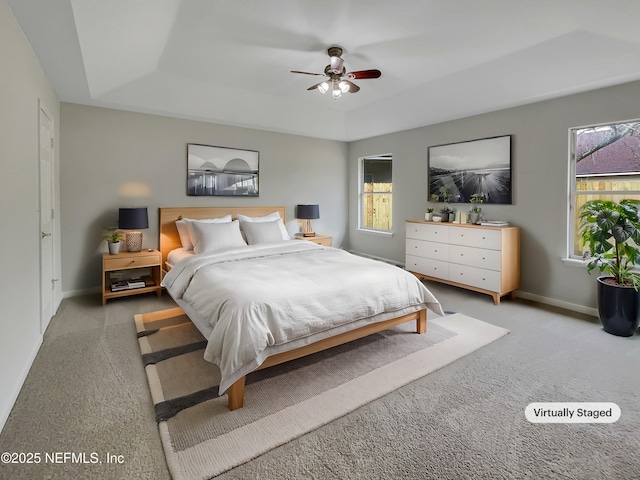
column 571, row 257
column 361, row 194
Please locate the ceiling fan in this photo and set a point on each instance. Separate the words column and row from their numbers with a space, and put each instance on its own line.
column 339, row 81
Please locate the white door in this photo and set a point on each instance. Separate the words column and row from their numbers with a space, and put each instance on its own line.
column 46, row 220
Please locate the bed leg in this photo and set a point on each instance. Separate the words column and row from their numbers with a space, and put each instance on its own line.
column 421, row 322
column 236, row 394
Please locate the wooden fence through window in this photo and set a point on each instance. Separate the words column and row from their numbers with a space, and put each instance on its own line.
column 376, row 206
column 620, row 184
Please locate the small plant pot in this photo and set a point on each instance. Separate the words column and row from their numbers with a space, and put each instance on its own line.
column 114, row 248
column 428, row 216
column 474, row 218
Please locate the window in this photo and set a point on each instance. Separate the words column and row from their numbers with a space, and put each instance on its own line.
column 604, row 164
column 376, row 193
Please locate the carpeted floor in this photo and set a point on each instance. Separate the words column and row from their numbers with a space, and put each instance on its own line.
column 86, row 393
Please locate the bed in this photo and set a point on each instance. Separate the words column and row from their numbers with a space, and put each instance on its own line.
column 262, row 299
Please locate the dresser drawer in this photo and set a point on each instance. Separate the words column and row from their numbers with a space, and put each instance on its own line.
column 475, row 257
column 427, row 266
column 476, row 237
column 421, row 248
column 430, row 232
column 476, row 277
column 131, row 262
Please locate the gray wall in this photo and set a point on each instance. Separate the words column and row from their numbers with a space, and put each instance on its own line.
column 540, row 179
column 112, row 159
column 23, row 86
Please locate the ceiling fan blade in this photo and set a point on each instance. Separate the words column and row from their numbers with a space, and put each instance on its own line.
column 364, row 74
column 307, row 73
column 353, row 88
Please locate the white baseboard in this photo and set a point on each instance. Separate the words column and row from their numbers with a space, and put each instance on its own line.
column 77, row 293
column 558, row 303
column 13, row 393
column 375, row 257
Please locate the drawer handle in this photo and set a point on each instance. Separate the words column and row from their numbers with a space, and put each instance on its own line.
column 462, row 254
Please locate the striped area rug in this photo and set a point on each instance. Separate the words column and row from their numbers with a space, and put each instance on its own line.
column 202, row 438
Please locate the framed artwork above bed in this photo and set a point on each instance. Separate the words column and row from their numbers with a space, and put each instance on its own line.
column 221, row 171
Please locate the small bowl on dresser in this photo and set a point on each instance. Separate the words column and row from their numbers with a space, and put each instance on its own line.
column 436, row 218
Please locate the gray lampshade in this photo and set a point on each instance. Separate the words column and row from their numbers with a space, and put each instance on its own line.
column 133, row 218
column 308, row 211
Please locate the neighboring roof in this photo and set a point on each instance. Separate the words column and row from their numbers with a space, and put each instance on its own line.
column 621, row 156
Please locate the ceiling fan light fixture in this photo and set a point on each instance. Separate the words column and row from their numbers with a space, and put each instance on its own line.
column 336, row 91
column 338, row 80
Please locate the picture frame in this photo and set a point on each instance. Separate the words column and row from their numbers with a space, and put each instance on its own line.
column 222, row 171
column 456, row 171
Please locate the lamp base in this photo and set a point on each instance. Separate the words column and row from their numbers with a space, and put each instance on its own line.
column 309, row 234
column 134, row 241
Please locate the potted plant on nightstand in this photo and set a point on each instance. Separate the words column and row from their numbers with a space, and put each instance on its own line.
column 476, row 210
column 113, row 239
column 611, row 231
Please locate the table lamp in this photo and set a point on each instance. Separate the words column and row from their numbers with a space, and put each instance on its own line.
column 134, row 218
column 308, row 212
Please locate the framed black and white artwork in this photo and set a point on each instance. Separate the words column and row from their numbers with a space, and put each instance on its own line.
column 222, row 171
column 459, row 170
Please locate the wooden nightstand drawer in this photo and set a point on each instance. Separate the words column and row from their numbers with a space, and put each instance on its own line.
column 325, row 240
column 132, row 262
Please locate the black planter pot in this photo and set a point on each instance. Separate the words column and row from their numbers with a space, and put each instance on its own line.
column 619, row 308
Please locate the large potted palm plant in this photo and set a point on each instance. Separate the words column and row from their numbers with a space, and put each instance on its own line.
column 611, row 232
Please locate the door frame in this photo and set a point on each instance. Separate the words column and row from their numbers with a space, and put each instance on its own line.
column 45, row 316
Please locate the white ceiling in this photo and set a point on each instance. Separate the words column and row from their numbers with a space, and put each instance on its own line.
column 229, row 61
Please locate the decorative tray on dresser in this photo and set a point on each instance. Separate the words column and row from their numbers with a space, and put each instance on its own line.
column 476, row 257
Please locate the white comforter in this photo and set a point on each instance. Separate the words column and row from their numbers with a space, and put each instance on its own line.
column 259, row 300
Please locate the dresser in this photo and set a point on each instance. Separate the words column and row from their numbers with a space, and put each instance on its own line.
column 479, row 258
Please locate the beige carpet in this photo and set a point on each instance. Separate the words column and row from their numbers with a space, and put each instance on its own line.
column 202, row 438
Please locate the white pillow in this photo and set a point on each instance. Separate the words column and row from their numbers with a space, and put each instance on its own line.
column 262, row 232
column 267, row 218
column 185, row 230
column 217, row 236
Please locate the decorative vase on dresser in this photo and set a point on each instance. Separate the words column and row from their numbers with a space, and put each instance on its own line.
column 479, row 258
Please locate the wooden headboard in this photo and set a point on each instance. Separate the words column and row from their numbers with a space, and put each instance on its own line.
column 169, row 239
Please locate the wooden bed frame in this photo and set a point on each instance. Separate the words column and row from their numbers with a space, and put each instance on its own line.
column 169, row 240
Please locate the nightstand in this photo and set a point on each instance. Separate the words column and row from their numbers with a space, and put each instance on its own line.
column 324, row 240
column 130, row 265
